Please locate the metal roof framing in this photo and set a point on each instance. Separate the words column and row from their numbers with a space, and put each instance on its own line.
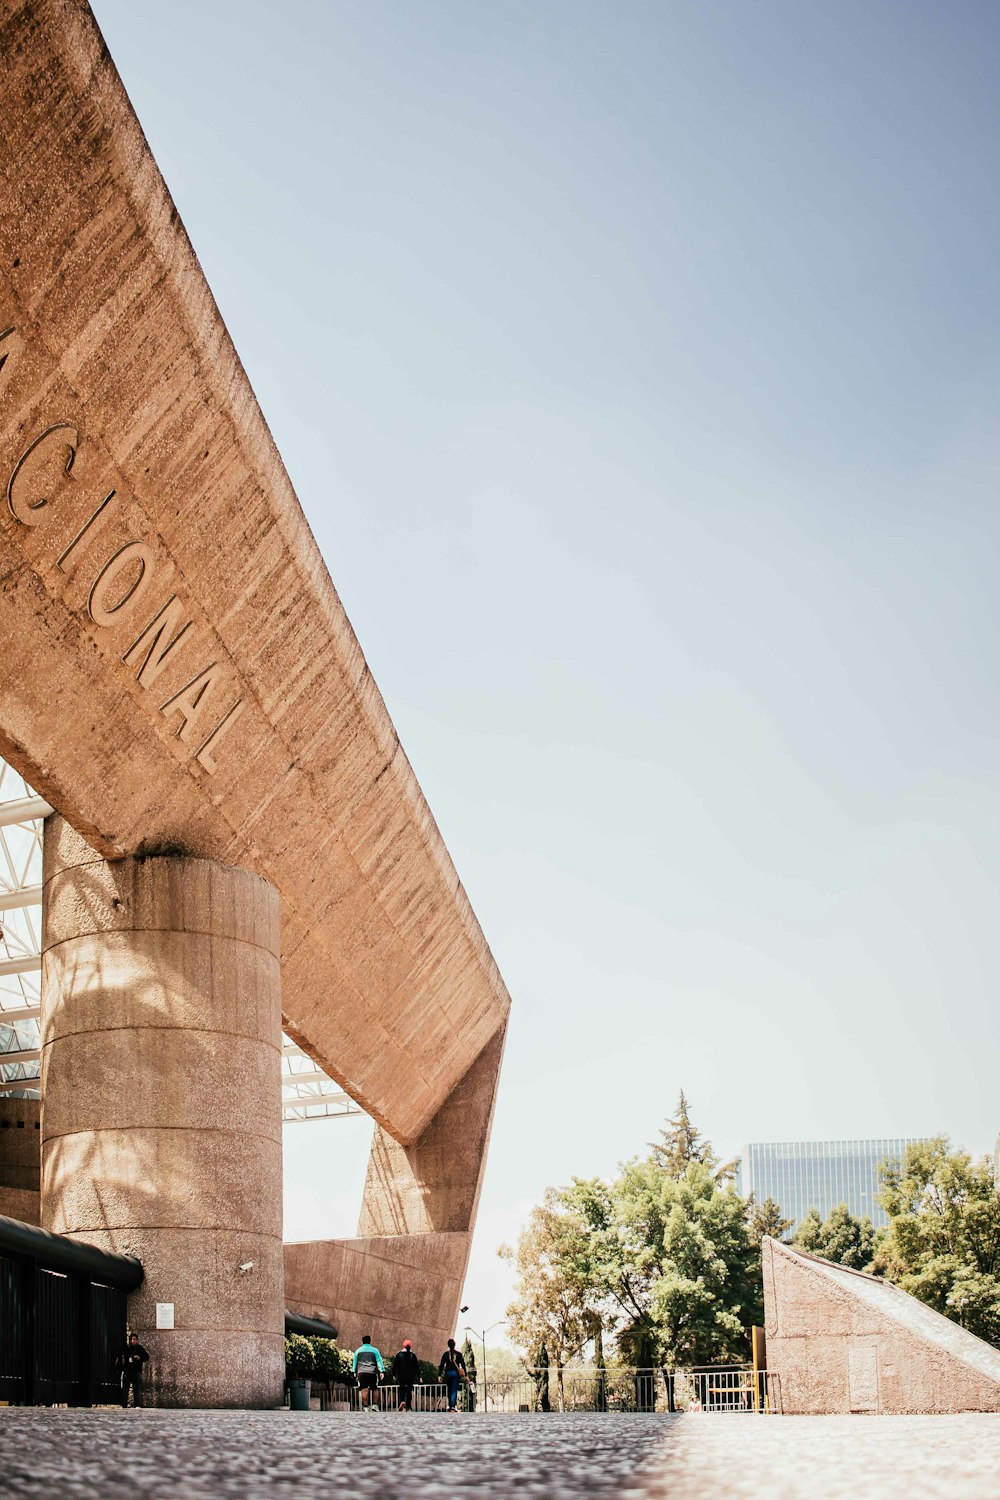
column 307, row 1093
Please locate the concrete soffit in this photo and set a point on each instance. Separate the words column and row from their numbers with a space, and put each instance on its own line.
column 163, row 587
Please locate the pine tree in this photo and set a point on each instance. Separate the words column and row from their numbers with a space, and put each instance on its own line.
column 766, row 1219
column 681, row 1144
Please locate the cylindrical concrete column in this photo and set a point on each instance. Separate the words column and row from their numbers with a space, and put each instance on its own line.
column 161, row 1113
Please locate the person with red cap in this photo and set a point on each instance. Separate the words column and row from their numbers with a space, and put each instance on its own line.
column 406, row 1374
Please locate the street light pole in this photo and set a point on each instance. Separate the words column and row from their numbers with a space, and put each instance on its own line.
column 481, row 1336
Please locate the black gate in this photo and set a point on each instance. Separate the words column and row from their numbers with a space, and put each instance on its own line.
column 106, row 1336
column 62, row 1318
column 12, row 1360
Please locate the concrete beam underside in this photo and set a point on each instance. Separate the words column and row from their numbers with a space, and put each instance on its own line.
column 402, row 1277
column 248, row 731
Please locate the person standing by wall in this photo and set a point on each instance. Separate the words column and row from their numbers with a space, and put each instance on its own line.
column 130, row 1361
column 369, row 1369
column 452, row 1371
column 405, row 1374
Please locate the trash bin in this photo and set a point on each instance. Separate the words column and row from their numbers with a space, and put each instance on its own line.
column 298, row 1394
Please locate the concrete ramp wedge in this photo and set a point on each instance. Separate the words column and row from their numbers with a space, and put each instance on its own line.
column 179, row 674
column 843, row 1341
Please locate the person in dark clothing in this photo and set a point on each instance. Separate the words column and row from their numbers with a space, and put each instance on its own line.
column 130, row 1361
column 452, row 1372
column 405, row 1374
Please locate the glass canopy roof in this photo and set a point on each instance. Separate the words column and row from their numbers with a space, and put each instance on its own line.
column 307, row 1093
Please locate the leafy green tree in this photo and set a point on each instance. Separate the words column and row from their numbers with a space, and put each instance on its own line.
column 809, row 1235
column 942, row 1243
column 620, row 1251
column 850, row 1241
column 675, row 1260
column 330, row 1363
column 840, row 1237
column 555, row 1296
column 664, row 1260
column 766, row 1219
column 708, row 1293
column 298, row 1357
column 504, row 1364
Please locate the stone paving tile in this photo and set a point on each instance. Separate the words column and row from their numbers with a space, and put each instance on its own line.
column 188, row 1455
column 826, row 1458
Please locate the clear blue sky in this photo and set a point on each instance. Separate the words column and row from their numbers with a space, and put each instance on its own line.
column 637, row 368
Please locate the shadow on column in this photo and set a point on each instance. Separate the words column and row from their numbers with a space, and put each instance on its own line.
column 161, row 1112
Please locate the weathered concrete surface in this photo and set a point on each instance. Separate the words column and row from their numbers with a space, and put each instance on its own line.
column 403, row 1276
column 180, row 673
column 433, row 1186
column 20, row 1159
column 841, row 1341
column 161, row 1113
column 393, row 1287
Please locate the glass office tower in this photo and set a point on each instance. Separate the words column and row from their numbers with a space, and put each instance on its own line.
column 800, row 1175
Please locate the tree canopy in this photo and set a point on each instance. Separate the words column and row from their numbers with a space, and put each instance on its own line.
column 840, row 1237
column 708, row 1290
column 942, row 1242
column 662, row 1259
column 556, row 1301
column 663, row 1262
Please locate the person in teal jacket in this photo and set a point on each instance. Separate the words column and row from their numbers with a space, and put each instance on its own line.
column 369, row 1369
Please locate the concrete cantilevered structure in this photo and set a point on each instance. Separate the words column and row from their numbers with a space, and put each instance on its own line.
column 180, row 682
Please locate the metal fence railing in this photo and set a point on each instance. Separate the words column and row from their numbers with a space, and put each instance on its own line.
column 720, row 1389
column 385, row 1397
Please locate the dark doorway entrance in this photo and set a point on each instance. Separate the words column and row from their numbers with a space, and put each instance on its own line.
column 62, row 1318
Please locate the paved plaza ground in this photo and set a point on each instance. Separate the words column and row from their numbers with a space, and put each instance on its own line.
column 827, row 1458
column 308, row 1455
